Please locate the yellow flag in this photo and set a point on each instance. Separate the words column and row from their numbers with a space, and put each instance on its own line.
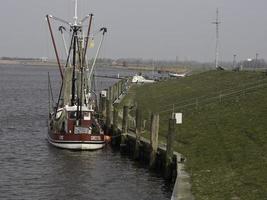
column 91, row 43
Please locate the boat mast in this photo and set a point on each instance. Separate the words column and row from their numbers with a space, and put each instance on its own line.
column 79, row 95
column 75, row 29
column 74, row 65
column 77, row 49
column 80, row 101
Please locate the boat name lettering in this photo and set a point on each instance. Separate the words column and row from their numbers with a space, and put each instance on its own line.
column 95, row 138
column 80, row 130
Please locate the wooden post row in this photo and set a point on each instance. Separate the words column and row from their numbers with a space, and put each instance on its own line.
column 154, row 131
column 169, row 150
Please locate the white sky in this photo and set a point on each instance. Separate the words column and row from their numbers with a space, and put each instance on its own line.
column 152, row 29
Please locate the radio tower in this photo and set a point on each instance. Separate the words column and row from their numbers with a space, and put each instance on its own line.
column 217, row 23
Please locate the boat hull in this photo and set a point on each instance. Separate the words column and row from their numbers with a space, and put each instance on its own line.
column 76, row 142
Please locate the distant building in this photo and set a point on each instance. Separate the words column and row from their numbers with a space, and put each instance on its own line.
column 44, row 59
column 114, row 63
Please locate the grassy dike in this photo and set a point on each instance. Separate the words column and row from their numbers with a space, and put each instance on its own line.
column 223, row 137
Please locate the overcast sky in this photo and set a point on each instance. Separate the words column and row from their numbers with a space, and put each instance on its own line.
column 152, row 29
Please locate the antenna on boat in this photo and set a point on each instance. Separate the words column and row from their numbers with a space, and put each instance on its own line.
column 75, row 13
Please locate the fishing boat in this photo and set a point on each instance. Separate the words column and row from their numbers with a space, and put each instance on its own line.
column 73, row 122
column 140, row 79
column 177, row 75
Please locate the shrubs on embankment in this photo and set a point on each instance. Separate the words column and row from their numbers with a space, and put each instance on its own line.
column 224, row 130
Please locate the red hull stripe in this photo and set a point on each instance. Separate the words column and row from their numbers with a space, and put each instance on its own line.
column 76, row 142
column 76, row 138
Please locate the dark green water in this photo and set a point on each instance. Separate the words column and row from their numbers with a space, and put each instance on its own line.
column 30, row 168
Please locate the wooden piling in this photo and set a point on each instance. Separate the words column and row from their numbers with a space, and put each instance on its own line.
column 169, row 151
column 110, row 93
column 103, row 107
column 118, row 88
column 109, row 102
column 100, row 104
column 108, row 113
column 125, row 119
column 138, row 119
column 115, row 119
column 115, row 91
column 112, row 89
column 121, row 86
column 115, row 124
column 124, row 127
column 122, row 81
column 154, row 131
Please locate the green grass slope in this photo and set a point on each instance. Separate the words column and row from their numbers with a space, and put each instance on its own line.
column 224, row 130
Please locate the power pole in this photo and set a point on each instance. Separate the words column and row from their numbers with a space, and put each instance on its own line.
column 234, row 61
column 177, row 60
column 256, row 60
column 217, row 23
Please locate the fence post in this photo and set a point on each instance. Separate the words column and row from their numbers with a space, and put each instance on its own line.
column 137, row 133
column 220, row 97
column 154, row 131
column 196, row 103
column 169, row 150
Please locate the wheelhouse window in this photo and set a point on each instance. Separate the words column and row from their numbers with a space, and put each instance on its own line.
column 86, row 115
column 72, row 115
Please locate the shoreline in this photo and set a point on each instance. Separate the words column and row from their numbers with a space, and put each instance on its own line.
column 175, row 69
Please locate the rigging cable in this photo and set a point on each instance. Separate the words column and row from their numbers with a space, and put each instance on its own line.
column 62, row 29
column 97, row 53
